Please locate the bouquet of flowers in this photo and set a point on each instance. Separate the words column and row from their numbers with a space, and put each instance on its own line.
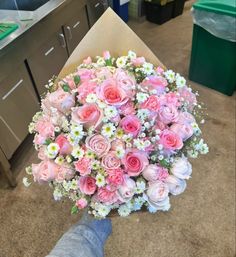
column 116, row 135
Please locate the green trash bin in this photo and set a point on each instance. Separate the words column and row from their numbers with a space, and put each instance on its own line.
column 213, row 57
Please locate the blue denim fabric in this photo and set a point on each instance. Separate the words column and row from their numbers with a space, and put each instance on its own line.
column 85, row 239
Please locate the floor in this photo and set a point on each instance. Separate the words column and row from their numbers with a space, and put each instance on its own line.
column 201, row 222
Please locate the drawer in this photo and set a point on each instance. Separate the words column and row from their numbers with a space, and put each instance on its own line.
column 75, row 29
column 95, row 9
column 18, row 103
column 48, row 60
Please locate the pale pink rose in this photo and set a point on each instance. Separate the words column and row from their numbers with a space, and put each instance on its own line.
column 39, row 140
column 185, row 131
column 155, row 82
column 125, row 81
column 127, row 108
column 45, row 171
column 157, row 191
column 115, row 119
column 65, row 146
column 135, row 162
column 111, row 161
column 115, row 177
column 117, row 143
column 87, row 60
column 181, row 168
column 70, row 81
column 154, row 172
column 65, row 173
column 103, row 73
column 188, row 96
column 160, row 125
column 170, row 140
column 111, row 93
column 81, row 203
column 88, row 115
column 85, row 74
column 98, row 144
column 138, row 61
column 168, row 114
column 186, row 118
column 87, row 185
column 176, row 186
column 83, row 166
column 45, row 128
column 42, row 153
column 170, row 98
column 131, row 125
column 159, row 70
column 106, row 195
column 127, row 189
column 61, row 100
column 152, row 103
column 106, row 55
column 85, row 88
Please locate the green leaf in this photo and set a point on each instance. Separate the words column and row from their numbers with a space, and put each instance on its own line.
column 66, row 87
column 74, row 209
column 164, row 163
column 77, row 79
column 108, row 62
column 48, row 141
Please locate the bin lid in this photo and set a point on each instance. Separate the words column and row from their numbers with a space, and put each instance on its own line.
column 226, row 7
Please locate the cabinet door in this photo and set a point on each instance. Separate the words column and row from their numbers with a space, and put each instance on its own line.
column 18, row 103
column 95, row 9
column 48, row 60
column 76, row 29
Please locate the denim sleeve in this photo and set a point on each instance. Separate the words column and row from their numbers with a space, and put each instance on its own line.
column 85, row 239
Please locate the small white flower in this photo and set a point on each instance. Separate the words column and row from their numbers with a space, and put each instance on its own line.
column 77, row 152
column 31, row 128
column 170, row 75
column 180, row 81
column 103, row 210
column 132, row 54
column 28, row 170
column 68, row 159
column 101, row 104
column 26, row 182
column 160, row 146
column 108, row 130
column 124, row 210
column 101, row 62
column 142, row 114
column 91, row 98
column 121, row 62
column 141, row 97
column 110, row 112
column 100, row 180
column 148, row 68
column 57, row 129
column 74, row 184
column 57, row 194
column 59, row 160
column 140, row 186
column 120, row 152
column 160, row 157
column 147, row 125
column 52, row 150
column 95, row 165
column 192, row 153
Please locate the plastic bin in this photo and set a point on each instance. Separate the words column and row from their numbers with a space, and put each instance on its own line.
column 213, row 57
column 122, row 9
column 158, row 13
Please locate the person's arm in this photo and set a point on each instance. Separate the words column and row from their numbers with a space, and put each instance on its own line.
column 85, row 239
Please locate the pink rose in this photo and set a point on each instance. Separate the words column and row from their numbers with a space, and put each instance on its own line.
column 45, row 171
column 98, row 144
column 127, row 108
column 170, row 140
column 135, row 162
column 88, row 115
column 168, row 114
column 86, row 87
column 170, row 98
column 42, row 154
column 87, row 185
column 157, row 191
column 186, row 118
column 110, row 161
column 188, row 96
column 152, row 103
column 85, row 74
column 81, row 203
column 88, row 60
column 61, row 100
column 45, row 129
column 127, row 189
column 106, row 195
column 138, row 61
column 184, row 131
column 131, row 125
column 155, row 82
column 65, row 172
column 83, row 166
column 159, row 70
column 106, row 55
column 154, row 172
column 115, row 177
column 111, row 93
column 125, row 81
column 65, row 146
column 103, row 73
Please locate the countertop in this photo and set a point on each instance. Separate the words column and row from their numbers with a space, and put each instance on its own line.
column 26, row 19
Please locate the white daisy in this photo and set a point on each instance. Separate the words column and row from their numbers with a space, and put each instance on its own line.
column 108, row 130
column 91, row 98
column 26, row 182
column 132, row 54
column 141, row 97
column 120, row 152
column 124, row 210
column 77, row 152
column 148, row 68
column 100, row 180
column 52, row 150
column 180, row 81
column 110, row 112
column 170, row 75
column 121, row 62
column 59, row 160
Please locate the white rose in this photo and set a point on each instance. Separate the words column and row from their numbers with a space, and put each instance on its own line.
column 160, row 206
column 181, row 168
column 157, row 192
column 176, row 186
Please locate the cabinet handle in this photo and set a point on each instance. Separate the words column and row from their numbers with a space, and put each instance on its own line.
column 76, row 24
column 96, row 5
column 49, row 51
column 69, row 32
column 63, row 41
column 12, row 89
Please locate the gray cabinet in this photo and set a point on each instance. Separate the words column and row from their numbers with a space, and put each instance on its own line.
column 48, row 60
column 95, row 9
column 75, row 29
column 18, row 103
